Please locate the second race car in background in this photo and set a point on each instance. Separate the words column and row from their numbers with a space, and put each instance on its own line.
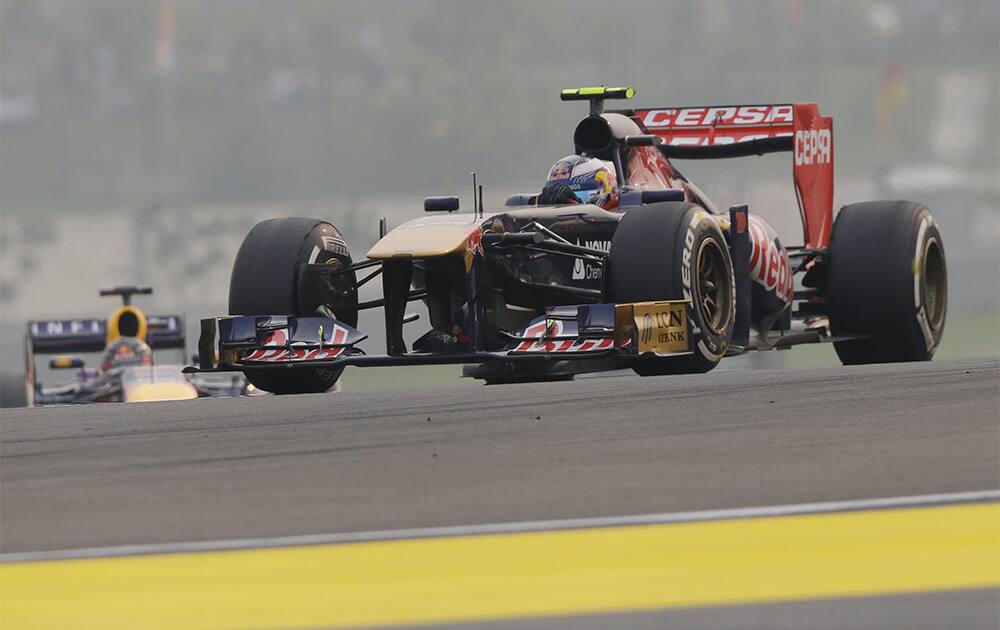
column 127, row 372
column 663, row 282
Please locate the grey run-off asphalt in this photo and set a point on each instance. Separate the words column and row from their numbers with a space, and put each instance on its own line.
column 212, row 469
column 220, row 469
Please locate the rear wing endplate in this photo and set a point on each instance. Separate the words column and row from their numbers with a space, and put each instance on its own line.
column 715, row 132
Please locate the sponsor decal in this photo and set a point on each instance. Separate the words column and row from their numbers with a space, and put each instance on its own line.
column 335, row 245
column 706, row 126
column 812, row 172
column 918, row 302
column 566, row 346
column 925, row 328
column 813, row 146
column 769, row 265
column 706, row 344
column 646, row 334
column 295, row 354
column 724, row 116
column 276, row 348
column 686, row 263
column 277, row 341
column 662, row 327
column 66, row 327
column 604, row 246
column 474, row 245
column 584, row 270
column 543, row 336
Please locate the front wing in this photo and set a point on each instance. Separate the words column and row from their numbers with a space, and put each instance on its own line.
column 617, row 333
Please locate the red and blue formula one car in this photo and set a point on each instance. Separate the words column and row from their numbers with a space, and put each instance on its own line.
column 619, row 262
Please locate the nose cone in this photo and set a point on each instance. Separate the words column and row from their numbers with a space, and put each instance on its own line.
column 426, row 237
column 151, row 392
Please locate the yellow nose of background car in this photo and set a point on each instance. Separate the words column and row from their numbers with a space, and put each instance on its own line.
column 149, row 392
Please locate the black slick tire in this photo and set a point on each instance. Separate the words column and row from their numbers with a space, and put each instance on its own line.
column 265, row 281
column 887, row 280
column 659, row 252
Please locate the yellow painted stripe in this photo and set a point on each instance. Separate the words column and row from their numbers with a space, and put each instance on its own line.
column 515, row 575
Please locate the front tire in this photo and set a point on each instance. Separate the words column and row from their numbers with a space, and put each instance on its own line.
column 265, row 281
column 887, row 280
column 675, row 251
column 294, row 380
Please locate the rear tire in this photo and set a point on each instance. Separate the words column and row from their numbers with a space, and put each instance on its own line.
column 887, row 279
column 663, row 251
column 265, row 281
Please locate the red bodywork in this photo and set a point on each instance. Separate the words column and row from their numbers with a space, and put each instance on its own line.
column 811, row 148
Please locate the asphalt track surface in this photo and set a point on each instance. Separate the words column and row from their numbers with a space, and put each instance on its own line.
column 216, row 469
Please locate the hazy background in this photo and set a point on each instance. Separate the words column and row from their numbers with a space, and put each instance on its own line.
column 139, row 141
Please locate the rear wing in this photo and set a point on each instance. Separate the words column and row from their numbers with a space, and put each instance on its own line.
column 90, row 335
column 728, row 131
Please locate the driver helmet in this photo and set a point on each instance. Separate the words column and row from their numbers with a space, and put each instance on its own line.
column 591, row 180
column 127, row 351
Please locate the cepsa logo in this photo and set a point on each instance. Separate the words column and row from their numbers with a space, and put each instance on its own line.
column 812, row 146
column 728, row 115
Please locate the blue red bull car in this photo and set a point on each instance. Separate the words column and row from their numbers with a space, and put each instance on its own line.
column 127, row 342
column 655, row 277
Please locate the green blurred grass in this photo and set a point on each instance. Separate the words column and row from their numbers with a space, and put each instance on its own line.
column 971, row 336
column 967, row 335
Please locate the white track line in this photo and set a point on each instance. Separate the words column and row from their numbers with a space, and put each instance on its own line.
column 506, row 528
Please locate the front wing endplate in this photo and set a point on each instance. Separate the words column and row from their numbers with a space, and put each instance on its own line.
column 658, row 327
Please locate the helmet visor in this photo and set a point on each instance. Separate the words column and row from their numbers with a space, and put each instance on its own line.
column 587, row 196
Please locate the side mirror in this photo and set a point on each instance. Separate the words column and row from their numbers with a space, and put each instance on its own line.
column 521, row 200
column 636, row 198
column 441, row 204
column 643, row 140
column 65, row 363
column 657, row 196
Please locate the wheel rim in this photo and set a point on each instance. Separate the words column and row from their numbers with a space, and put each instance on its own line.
column 935, row 279
column 342, row 285
column 336, row 264
column 713, row 295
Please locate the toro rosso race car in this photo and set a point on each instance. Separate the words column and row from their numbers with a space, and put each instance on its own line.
column 619, row 262
column 126, row 341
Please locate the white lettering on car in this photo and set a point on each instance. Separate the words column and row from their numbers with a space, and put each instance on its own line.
column 813, row 146
column 769, row 265
column 658, row 118
column 690, row 117
column 719, row 115
column 743, row 115
column 584, row 270
column 780, row 113
column 686, row 270
column 751, row 115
